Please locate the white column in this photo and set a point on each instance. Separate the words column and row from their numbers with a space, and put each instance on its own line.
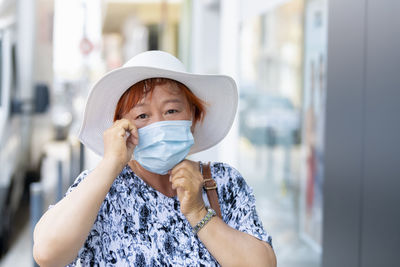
column 26, row 31
column 196, row 37
column 229, row 51
column 204, row 52
column 26, row 14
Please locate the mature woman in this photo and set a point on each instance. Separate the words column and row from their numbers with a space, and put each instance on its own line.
column 144, row 204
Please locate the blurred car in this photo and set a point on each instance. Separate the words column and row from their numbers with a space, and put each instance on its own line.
column 267, row 119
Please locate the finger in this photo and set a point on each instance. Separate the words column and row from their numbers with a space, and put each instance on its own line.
column 119, row 131
column 180, row 183
column 127, row 125
column 188, row 170
column 193, row 182
column 185, row 164
column 130, row 146
column 182, row 173
column 133, row 139
column 114, row 132
column 134, row 132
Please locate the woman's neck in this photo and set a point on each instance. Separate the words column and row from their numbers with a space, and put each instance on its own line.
column 159, row 182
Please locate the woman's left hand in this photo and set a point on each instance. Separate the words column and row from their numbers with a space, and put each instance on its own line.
column 188, row 182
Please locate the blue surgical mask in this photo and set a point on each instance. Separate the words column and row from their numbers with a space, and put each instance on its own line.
column 163, row 144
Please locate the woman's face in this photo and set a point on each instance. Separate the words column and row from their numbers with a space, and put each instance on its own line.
column 166, row 102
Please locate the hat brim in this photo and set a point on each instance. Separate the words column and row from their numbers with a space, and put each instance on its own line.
column 219, row 92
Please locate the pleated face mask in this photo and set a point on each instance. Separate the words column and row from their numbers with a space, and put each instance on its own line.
column 163, row 144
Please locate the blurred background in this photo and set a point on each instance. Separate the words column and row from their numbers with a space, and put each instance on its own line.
column 316, row 132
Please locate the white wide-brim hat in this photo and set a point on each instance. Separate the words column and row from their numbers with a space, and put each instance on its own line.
column 218, row 91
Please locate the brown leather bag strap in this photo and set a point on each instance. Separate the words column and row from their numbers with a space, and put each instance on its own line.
column 210, row 186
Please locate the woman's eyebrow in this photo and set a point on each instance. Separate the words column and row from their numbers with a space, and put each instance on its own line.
column 174, row 100
column 139, row 105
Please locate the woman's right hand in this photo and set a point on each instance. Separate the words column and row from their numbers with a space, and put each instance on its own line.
column 117, row 147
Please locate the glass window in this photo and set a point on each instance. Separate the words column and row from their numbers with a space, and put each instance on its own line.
column 272, row 154
column 1, row 72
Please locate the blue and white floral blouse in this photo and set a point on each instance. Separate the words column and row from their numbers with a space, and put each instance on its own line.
column 139, row 226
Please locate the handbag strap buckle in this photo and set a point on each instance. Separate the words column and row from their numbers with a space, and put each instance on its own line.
column 211, row 186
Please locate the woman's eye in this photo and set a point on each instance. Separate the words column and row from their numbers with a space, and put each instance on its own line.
column 171, row 111
column 142, row 116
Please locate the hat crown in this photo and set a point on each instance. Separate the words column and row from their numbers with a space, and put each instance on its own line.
column 156, row 59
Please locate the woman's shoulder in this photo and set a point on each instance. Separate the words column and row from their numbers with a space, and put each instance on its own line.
column 225, row 174
column 221, row 169
column 121, row 178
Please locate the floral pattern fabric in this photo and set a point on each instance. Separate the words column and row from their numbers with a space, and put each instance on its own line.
column 139, row 226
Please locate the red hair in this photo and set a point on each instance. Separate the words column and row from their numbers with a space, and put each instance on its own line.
column 139, row 90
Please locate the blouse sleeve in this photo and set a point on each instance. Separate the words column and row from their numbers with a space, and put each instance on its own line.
column 79, row 179
column 86, row 255
column 239, row 204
